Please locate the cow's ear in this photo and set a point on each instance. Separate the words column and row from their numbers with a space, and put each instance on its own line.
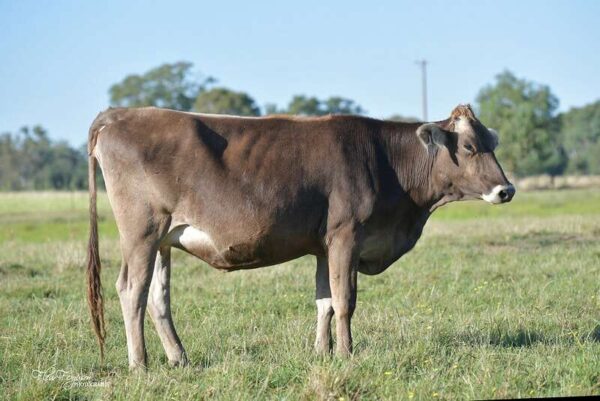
column 495, row 139
column 432, row 135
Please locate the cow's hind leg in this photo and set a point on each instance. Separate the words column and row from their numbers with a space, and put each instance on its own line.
column 159, row 307
column 139, row 245
column 323, row 341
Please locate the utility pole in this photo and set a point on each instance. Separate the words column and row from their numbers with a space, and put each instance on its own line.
column 423, row 64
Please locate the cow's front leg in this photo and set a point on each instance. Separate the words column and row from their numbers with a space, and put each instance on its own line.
column 343, row 262
column 324, row 307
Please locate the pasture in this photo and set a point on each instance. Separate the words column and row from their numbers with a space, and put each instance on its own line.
column 493, row 302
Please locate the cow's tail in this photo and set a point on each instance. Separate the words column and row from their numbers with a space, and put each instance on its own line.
column 94, row 290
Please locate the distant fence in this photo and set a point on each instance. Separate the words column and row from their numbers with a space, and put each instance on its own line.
column 557, row 182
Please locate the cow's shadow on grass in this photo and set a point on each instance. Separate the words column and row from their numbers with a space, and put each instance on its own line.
column 498, row 338
column 517, row 339
column 595, row 334
column 520, row 338
column 538, row 239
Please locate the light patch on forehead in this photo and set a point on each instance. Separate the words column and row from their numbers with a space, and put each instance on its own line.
column 462, row 124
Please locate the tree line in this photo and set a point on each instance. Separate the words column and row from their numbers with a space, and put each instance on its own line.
column 29, row 160
column 535, row 138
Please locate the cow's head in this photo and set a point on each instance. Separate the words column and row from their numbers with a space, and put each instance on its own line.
column 464, row 165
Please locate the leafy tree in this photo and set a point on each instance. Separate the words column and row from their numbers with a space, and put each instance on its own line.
column 302, row 105
column 35, row 152
column 225, row 101
column 66, row 169
column 524, row 114
column 30, row 160
column 312, row 106
column 169, row 85
column 271, row 108
column 340, row 105
column 581, row 136
column 402, row 119
column 9, row 159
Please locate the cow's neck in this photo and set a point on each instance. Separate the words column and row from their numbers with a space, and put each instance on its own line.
column 413, row 166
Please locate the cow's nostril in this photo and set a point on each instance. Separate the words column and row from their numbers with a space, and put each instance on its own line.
column 503, row 194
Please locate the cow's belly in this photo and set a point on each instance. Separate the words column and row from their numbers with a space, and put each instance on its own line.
column 230, row 252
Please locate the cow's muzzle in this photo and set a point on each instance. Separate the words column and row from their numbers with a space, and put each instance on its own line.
column 500, row 194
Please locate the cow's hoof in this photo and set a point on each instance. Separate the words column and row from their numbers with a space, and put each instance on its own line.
column 138, row 368
column 343, row 352
column 181, row 362
column 322, row 349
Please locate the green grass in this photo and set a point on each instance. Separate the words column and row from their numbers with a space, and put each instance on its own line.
column 493, row 302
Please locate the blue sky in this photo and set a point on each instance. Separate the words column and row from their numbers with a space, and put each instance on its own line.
column 60, row 57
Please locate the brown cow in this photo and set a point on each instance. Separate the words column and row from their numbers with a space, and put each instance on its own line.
column 242, row 193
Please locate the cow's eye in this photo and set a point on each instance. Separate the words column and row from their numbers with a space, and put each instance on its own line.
column 469, row 148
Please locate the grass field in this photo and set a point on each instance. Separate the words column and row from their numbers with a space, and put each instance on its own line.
column 493, row 302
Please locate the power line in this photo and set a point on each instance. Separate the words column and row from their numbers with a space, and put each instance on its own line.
column 423, row 64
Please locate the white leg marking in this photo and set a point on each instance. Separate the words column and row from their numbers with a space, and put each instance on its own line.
column 324, row 314
column 324, row 307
